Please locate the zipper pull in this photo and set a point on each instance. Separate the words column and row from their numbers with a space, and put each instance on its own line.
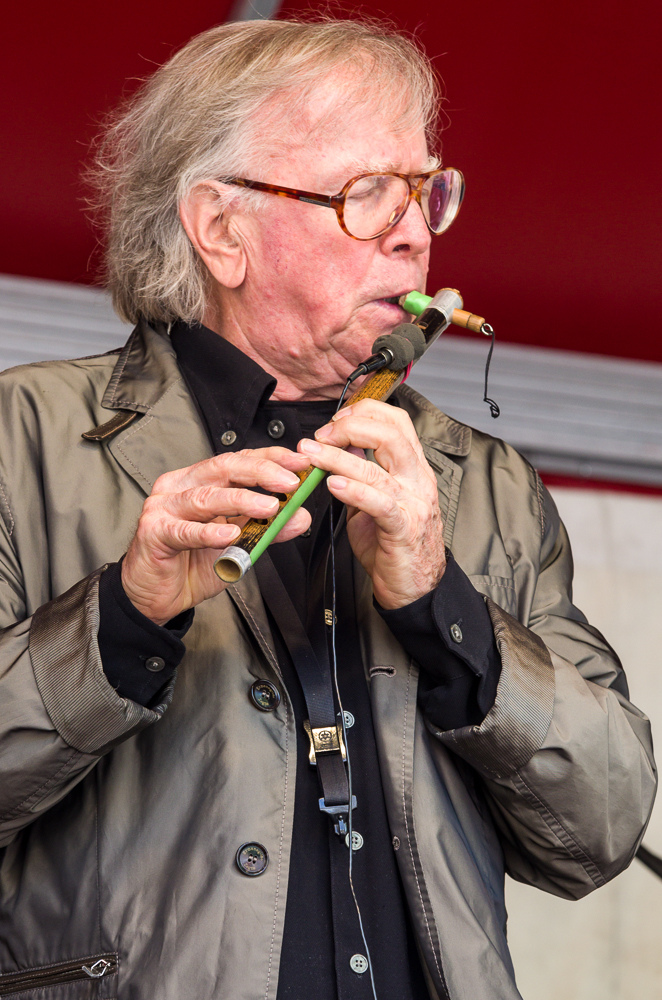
column 97, row 970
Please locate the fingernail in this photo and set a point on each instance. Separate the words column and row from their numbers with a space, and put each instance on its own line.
column 290, row 479
column 236, row 532
column 345, row 412
column 324, row 432
column 338, row 482
column 310, row 447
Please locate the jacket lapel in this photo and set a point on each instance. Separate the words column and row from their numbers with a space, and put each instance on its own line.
column 440, row 437
column 169, row 435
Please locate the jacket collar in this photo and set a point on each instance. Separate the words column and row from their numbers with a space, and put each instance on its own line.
column 170, row 434
column 434, row 428
column 145, row 370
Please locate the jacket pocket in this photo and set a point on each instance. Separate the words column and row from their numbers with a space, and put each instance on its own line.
column 78, row 970
column 500, row 589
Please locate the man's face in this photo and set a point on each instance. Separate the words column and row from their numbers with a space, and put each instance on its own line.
column 313, row 298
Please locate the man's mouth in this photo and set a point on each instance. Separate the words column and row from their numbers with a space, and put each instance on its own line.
column 391, row 300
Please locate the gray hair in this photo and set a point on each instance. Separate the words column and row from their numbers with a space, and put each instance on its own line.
column 210, row 112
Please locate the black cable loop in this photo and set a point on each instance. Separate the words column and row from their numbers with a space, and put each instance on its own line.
column 494, row 407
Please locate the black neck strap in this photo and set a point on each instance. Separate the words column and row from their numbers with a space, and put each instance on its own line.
column 327, row 751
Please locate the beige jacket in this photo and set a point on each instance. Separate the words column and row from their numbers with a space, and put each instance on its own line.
column 122, row 823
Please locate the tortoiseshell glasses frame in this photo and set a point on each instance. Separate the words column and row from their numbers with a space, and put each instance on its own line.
column 448, row 183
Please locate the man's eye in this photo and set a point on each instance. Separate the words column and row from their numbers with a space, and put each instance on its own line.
column 361, row 191
column 368, row 187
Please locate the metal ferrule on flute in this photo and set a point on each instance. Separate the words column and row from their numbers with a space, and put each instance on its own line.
column 433, row 316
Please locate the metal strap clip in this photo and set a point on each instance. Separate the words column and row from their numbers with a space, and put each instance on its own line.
column 341, row 812
column 324, row 739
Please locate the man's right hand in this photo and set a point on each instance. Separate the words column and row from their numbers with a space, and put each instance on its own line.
column 194, row 513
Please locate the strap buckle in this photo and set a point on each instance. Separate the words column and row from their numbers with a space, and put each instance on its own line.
column 324, row 739
column 340, row 826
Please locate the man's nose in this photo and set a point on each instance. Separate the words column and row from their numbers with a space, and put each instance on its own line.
column 411, row 233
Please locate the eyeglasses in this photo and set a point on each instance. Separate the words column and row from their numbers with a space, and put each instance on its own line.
column 371, row 204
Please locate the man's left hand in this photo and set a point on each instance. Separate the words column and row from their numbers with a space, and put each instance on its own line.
column 393, row 518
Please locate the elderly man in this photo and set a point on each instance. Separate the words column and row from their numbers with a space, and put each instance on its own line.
column 165, row 833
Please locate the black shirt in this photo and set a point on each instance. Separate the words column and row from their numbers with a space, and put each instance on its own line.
column 457, row 687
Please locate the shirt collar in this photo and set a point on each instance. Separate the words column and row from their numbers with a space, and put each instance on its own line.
column 228, row 385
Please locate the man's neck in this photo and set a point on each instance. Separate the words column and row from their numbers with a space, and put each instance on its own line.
column 293, row 386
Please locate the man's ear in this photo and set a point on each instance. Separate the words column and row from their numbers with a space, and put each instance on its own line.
column 214, row 234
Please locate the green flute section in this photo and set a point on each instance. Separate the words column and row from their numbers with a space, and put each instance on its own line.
column 416, row 303
column 283, row 516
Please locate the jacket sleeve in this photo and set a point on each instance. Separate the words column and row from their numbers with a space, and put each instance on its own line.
column 58, row 713
column 565, row 758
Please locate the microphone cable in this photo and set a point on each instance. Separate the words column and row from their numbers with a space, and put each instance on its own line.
column 396, row 351
column 334, row 668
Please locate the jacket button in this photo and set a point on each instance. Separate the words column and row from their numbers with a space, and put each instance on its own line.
column 265, row 695
column 456, row 633
column 275, row 429
column 228, row 438
column 252, row 859
column 155, row 663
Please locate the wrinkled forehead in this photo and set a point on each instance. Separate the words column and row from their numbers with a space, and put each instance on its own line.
column 348, row 101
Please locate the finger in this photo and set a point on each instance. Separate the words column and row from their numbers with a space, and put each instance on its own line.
column 384, row 413
column 272, row 468
column 205, row 503
column 396, row 464
column 298, row 523
column 390, row 516
column 348, row 463
column 392, row 448
column 176, row 535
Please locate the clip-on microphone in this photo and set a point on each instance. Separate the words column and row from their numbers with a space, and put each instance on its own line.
column 393, row 350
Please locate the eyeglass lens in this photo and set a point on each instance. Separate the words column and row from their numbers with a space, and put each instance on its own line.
column 375, row 203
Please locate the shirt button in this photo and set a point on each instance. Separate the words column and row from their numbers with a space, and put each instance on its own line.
column 155, row 663
column 358, row 963
column 456, row 633
column 357, row 840
column 349, row 720
column 252, row 859
column 396, row 843
column 228, row 438
column 275, row 429
column 265, row 695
